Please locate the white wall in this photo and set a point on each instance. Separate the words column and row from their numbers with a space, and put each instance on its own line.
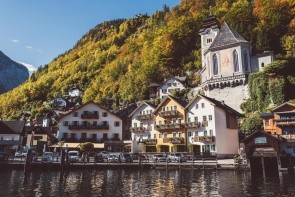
column 169, row 85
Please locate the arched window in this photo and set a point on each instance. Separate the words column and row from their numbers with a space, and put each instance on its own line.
column 236, row 61
column 215, row 65
column 246, row 59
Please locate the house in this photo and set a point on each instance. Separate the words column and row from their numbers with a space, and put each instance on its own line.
column 170, row 119
column 91, row 123
column 172, row 83
column 280, row 122
column 227, row 61
column 212, row 127
column 142, row 129
column 11, row 134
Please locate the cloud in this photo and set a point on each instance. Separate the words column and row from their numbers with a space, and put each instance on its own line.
column 29, row 47
column 15, row 41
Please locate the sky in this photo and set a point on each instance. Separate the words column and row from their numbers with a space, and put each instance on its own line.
column 36, row 31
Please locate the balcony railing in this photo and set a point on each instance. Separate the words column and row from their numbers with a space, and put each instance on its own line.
column 137, row 129
column 289, row 137
column 204, row 123
column 204, row 139
column 89, row 116
column 176, row 140
column 144, row 117
column 193, row 125
column 285, row 122
column 170, row 126
column 70, row 139
column 88, row 127
column 150, row 141
column 171, row 113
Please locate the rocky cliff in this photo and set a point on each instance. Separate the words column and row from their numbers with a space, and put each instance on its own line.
column 12, row 73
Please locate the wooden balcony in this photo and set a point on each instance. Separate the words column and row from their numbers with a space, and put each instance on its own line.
column 144, row 117
column 170, row 126
column 137, row 129
column 176, row 140
column 191, row 125
column 204, row 139
column 88, row 127
column 89, row 116
column 285, row 122
column 149, row 141
column 171, row 113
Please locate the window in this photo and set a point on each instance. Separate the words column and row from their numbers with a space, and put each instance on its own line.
column 84, row 123
column 155, row 136
column 175, row 107
column 164, row 91
column 93, row 136
column 94, row 123
column 197, row 106
column 215, row 65
column 179, row 134
column 160, row 122
column 105, row 123
column 179, row 120
column 75, row 114
column 75, row 122
column 196, row 119
column 266, row 122
column 104, row 114
column 262, row 64
column 211, row 132
column 246, row 64
column 83, row 135
column 210, row 117
column 168, row 84
column 1, row 138
column 65, row 135
column 151, row 111
column 188, row 119
column 66, row 123
column 165, row 135
column 189, row 134
column 173, row 134
column 204, row 118
column 143, row 112
column 209, row 40
column 105, row 136
column 116, row 135
column 196, row 133
column 236, row 61
column 213, row 147
column 141, row 124
column 205, row 133
column 135, row 124
column 163, row 109
column 148, row 124
column 73, row 135
column 173, row 120
column 160, row 135
column 203, row 105
column 117, row 123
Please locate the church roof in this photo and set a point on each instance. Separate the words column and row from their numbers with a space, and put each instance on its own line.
column 226, row 36
column 209, row 22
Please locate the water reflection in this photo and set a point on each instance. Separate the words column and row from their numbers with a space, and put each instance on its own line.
column 144, row 183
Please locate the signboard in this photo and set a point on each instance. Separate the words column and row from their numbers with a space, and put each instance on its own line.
column 260, row 140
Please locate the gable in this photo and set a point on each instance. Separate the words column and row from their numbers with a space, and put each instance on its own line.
column 284, row 107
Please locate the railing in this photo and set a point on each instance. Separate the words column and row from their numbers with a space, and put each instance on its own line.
column 89, row 116
column 193, row 125
column 144, row 117
column 88, row 127
column 204, row 139
column 150, row 141
column 176, row 140
column 226, row 78
column 289, row 137
column 169, row 126
column 285, row 122
column 70, row 139
column 137, row 129
column 168, row 113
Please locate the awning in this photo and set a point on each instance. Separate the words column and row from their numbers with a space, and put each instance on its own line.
column 76, row 145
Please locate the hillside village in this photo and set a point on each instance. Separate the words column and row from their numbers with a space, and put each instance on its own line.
column 203, row 121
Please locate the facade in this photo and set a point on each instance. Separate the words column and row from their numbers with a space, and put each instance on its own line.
column 227, row 61
column 170, row 119
column 212, row 127
column 91, row 123
column 142, row 128
column 171, row 84
column 281, row 123
column 11, row 134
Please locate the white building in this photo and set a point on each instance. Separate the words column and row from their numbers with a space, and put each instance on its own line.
column 227, row 60
column 171, row 84
column 91, row 123
column 212, row 126
column 142, row 126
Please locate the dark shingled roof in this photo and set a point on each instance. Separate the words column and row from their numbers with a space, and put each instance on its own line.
column 11, row 127
column 210, row 22
column 226, row 36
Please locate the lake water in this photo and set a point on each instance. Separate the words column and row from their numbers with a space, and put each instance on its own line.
column 144, row 183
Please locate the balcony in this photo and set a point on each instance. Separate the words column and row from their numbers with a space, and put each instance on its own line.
column 88, row 127
column 204, row 123
column 176, row 140
column 89, row 116
column 149, row 141
column 93, row 140
column 70, row 139
column 285, row 122
column 137, row 129
column 171, row 113
column 191, row 125
column 288, row 137
column 144, row 117
column 204, row 139
column 170, row 126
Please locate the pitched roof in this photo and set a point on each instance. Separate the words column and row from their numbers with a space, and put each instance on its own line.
column 11, row 127
column 219, row 104
column 181, row 102
column 285, row 106
column 226, row 36
column 209, row 22
column 141, row 104
column 177, row 78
